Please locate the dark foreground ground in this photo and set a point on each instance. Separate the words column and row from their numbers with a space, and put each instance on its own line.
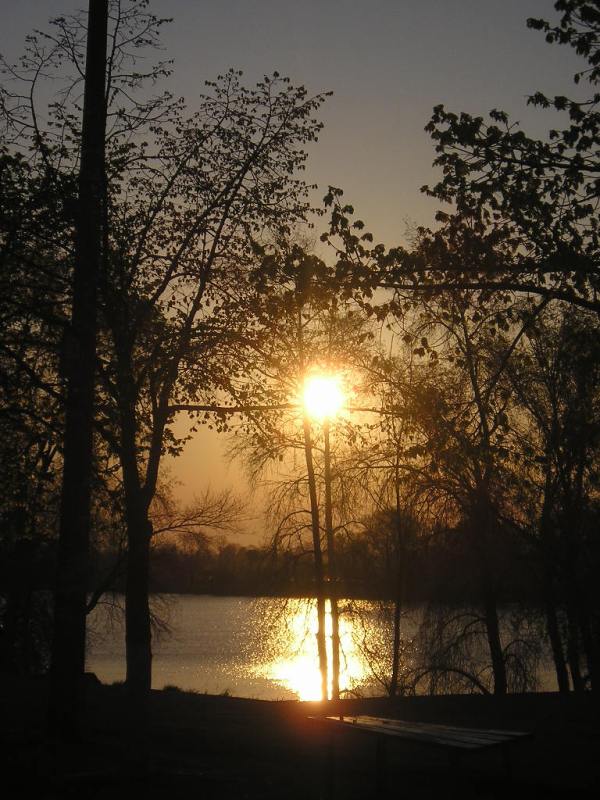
column 202, row 746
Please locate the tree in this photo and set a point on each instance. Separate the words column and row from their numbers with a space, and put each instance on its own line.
column 302, row 328
column 29, row 480
column 31, row 225
column 32, row 230
column 524, row 210
column 555, row 378
column 461, row 410
column 532, row 203
column 178, row 264
column 381, row 469
column 35, row 232
column 70, row 601
column 186, row 197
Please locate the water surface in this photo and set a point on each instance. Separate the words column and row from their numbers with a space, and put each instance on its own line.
column 249, row 647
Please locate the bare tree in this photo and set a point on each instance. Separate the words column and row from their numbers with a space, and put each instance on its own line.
column 187, row 196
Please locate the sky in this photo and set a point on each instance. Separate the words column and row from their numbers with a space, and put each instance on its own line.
column 387, row 62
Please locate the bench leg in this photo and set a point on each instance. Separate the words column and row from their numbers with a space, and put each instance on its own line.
column 380, row 767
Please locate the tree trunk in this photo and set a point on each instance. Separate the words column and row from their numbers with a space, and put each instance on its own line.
column 589, row 644
column 553, row 628
column 581, row 621
column 573, row 654
column 576, row 610
column 492, row 626
column 485, row 517
column 393, row 690
column 139, row 531
column 485, row 545
column 549, row 565
column 137, row 611
column 332, row 570
column 399, row 594
column 318, row 558
column 314, row 507
column 68, row 649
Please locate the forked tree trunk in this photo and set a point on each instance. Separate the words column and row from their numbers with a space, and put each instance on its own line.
column 399, row 589
column 68, row 649
column 314, row 505
column 318, row 558
column 332, row 571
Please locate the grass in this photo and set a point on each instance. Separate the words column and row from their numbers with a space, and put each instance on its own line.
column 228, row 747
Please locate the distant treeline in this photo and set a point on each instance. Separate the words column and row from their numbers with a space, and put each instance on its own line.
column 440, row 569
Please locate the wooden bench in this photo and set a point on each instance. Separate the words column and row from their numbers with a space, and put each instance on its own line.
column 455, row 741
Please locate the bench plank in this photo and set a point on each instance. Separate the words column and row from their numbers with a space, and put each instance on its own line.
column 455, row 741
column 452, row 737
column 437, row 735
column 408, row 732
column 435, row 725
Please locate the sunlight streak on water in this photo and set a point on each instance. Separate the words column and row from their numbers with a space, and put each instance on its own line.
column 296, row 668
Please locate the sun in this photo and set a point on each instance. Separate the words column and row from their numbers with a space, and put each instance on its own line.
column 323, row 396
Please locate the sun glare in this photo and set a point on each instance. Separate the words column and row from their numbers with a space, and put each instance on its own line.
column 298, row 669
column 323, row 396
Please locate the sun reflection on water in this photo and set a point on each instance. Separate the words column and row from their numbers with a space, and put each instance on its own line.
column 297, row 666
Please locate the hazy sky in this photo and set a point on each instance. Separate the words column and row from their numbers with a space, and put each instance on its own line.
column 388, row 63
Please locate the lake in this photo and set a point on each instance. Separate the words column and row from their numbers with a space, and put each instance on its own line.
column 248, row 647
